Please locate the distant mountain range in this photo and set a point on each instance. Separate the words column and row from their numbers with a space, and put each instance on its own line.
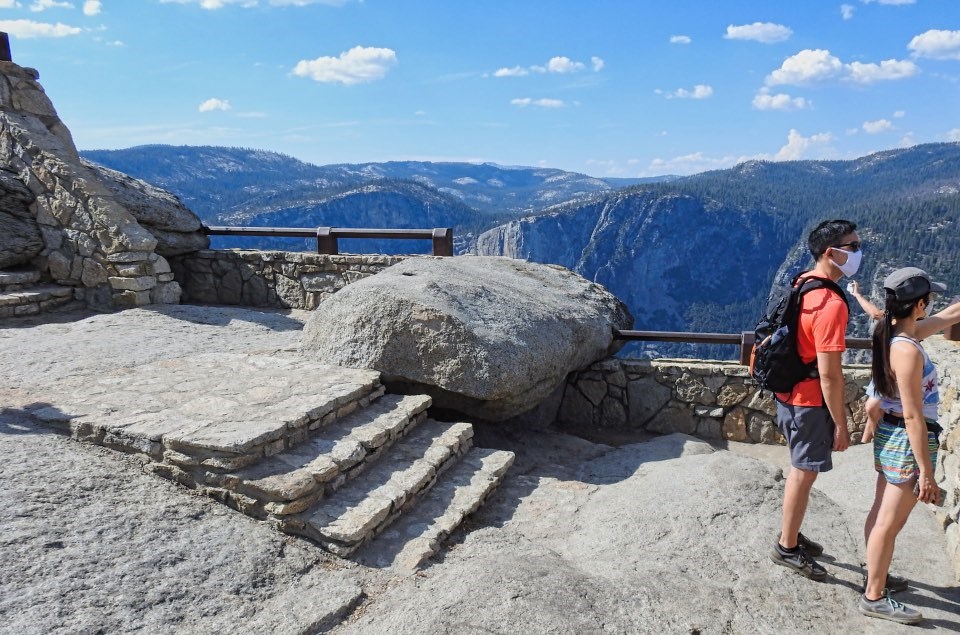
column 697, row 253
column 235, row 183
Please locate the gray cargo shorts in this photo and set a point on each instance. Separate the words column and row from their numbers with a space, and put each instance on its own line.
column 809, row 434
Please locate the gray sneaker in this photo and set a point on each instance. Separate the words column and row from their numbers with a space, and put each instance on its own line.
column 799, row 562
column 886, row 608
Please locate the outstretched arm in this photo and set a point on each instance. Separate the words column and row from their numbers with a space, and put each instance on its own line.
column 936, row 323
column 868, row 307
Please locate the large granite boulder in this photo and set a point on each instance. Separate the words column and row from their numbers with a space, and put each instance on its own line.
column 177, row 229
column 20, row 238
column 488, row 337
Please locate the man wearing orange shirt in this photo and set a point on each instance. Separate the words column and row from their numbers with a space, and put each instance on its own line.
column 813, row 418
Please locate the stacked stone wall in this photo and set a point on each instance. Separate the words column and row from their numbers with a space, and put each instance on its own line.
column 279, row 279
column 707, row 399
column 91, row 242
column 946, row 355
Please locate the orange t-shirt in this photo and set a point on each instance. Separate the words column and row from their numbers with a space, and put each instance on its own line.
column 823, row 329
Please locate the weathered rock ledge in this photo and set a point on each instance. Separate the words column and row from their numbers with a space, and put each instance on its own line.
column 583, row 538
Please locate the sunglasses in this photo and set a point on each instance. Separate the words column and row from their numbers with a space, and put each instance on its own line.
column 854, row 245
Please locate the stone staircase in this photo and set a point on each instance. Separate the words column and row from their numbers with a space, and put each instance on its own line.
column 22, row 293
column 317, row 451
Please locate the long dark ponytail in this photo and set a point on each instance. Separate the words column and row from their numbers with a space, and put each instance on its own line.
column 883, row 380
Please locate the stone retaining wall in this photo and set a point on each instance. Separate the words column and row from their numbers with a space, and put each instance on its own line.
column 278, row 279
column 707, row 399
column 946, row 355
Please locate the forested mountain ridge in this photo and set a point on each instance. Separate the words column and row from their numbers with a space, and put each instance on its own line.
column 238, row 183
column 703, row 252
column 697, row 253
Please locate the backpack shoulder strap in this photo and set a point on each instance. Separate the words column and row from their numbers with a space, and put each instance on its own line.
column 811, row 283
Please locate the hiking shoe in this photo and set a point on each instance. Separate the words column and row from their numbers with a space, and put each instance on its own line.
column 897, row 583
column 886, row 608
column 894, row 583
column 799, row 562
column 812, row 548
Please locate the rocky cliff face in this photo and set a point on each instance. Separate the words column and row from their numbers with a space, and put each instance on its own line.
column 673, row 259
column 62, row 217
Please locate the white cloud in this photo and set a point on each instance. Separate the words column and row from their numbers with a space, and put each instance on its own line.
column 798, row 146
column 763, row 100
column 847, row 11
column 878, row 126
column 542, row 103
column 889, row 1
column 563, row 64
column 907, row 140
column 807, row 66
column 812, row 66
column 359, row 64
column 700, row 91
column 27, row 29
column 680, row 39
column 936, row 44
column 693, row 163
column 516, row 71
column 900, row 114
column 766, row 32
column 214, row 104
column 9, row 4
column 954, row 135
column 885, row 70
column 43, row 5
column 92, row 7
column 559, row 64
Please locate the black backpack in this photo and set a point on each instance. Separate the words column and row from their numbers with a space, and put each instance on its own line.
column 776, row 364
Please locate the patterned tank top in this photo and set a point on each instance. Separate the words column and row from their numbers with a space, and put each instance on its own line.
column 931, row 397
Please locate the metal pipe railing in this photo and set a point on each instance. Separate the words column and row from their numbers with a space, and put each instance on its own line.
column 442, row 237
column 745, row 339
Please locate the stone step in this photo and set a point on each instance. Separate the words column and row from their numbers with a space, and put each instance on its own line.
column 240, row 407
column 13, row 280
column 460, row 491
column 366, row 505
column 290, row 482
column 33, row 300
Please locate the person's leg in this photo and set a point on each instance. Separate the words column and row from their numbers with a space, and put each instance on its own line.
column 796, row 495
column 895, row 507
column 875, row 508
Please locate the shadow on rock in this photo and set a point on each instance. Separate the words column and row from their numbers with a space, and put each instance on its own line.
column 273, row 319
column 14, row 421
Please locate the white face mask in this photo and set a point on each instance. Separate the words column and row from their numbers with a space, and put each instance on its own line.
column 850, row 267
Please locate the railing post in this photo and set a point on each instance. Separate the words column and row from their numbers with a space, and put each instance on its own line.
column 443, row 241
column 326, row 241
column 747, row 340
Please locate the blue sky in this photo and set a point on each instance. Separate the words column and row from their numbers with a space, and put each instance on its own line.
column 605, row 87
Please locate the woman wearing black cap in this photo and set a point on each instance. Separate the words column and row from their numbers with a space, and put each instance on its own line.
column 907, row 437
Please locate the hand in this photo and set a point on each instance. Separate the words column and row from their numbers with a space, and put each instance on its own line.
column 869, row 431
column 854, row 287
column 928, row 490
column 841, row 438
